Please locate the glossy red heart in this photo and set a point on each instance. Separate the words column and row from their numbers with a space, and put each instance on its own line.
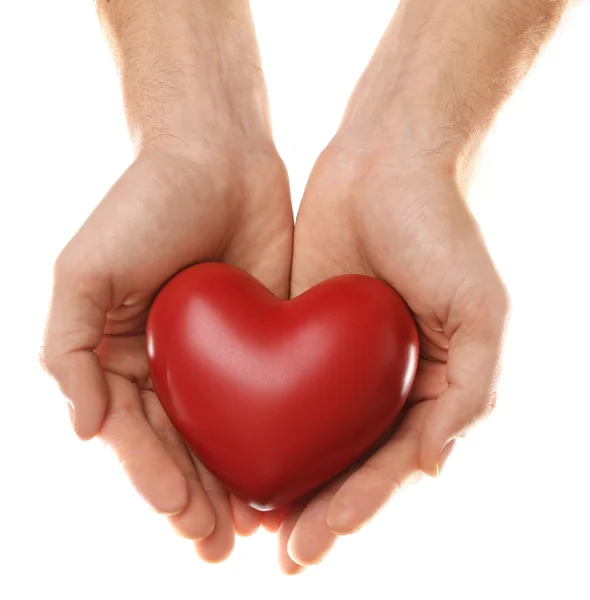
column 277, row 397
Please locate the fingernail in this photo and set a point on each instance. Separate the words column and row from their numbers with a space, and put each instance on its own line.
column 72, row 415
column 444, row 455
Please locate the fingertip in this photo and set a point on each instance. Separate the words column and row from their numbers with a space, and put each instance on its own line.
column 299, row 558
column 203, row 531
column 84, row 384
column 196, row 521
column 311, row 539
column 292, row 569
column 174, row 499
column 84, row 433
column 242, row 532
column 246, row 519
column 435, row 449
column 433, row 438
column 359, row 499
column 247, row 530
column 87, row 420
column 272, row 520
column 444, row 455
column 308, row 556
column 72, row 415
column 217, row 546
column 208, row 527
column 220, row 554
column 429, row 464
column 287, row 565
column 220, row 543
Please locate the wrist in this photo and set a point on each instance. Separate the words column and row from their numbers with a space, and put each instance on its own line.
column 220, row 104
column 188, row 127
column 440, row 75
column 408, row 138
column 399, row 110
column 190, row 72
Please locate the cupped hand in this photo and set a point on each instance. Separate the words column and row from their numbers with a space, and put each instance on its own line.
column 173, row 207
column 368, row 209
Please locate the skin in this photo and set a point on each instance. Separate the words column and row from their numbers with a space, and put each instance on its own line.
column 386, row 198
column 197, row 190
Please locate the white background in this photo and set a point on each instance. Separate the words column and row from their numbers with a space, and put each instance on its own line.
column 508, row 519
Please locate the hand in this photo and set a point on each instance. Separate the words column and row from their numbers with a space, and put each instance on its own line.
column 175, row 206
column 402, row 218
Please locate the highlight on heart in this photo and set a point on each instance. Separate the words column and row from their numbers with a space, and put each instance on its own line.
column 277, row 397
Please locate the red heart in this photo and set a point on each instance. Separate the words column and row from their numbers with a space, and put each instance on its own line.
column 277, row 397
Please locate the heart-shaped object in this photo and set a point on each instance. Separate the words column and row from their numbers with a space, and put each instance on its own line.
column 277, row 397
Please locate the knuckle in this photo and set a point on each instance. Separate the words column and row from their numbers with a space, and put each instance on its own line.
column 391, row 480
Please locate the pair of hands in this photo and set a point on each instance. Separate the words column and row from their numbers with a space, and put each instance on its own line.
column 368, row 208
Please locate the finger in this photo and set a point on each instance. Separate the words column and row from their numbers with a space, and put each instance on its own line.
column 273, row 270
column 130, row 316
column 325, row 243
column 147, row 464
column 271, row 520
column 125, row 355
column 390, row 469
column 433, row 343
column 74, row 329
column 273, row 274
column 430, row 381
column 472, row 373
column 264, row 249
column 217, row 546
column 312, row 539
column 314, row 263
column 246, row 519
column 131, row 325
column 197, row 520
column 286, row 563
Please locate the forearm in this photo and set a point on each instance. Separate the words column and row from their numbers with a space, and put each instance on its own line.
column 190, row 70
column 444, row 68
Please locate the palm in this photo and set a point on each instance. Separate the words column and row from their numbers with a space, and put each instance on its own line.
column 166, row 212
column 383, row 222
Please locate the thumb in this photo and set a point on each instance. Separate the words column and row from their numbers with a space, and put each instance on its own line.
column 473, row 369
column 326, row 243
column 323, row 250
column 77, row 318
